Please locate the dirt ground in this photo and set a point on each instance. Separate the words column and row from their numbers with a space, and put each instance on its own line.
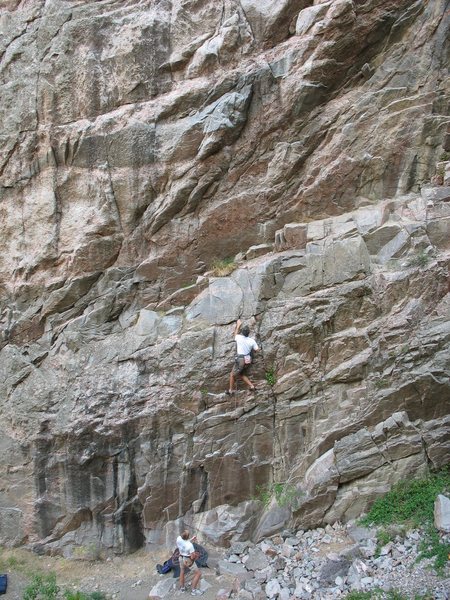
column 123, row 578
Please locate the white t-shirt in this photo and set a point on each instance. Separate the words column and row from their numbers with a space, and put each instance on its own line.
column 245, row 344
column 186, row 547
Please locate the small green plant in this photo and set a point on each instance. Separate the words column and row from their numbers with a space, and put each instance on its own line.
column 69, row 595
column 284, row 494
column 445, row 156
column 360, row 596
column 222, row 267
column 42, row 587
column 383, row 538
column 263, row 494
column 271, row 377
column 381, row 383
column 88, row 552
column 419, row 260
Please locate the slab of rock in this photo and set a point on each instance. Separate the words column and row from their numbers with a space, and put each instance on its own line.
column 235, row 570
column 359, row 534
column 333, row 569
column 257, row 559
column 308, row 16
column 442, row 513
column 163, row 589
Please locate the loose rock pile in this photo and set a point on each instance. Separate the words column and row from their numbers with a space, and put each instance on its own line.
column 329, row 563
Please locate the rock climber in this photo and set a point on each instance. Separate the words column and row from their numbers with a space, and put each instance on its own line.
column 245, row 345
column 188, row 555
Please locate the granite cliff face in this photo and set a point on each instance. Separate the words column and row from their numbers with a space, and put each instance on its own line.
column 143, row 141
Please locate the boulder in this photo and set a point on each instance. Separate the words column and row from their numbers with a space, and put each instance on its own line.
column 256, row 560
column 442, row 513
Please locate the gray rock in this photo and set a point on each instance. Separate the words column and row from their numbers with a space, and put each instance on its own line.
column 253, row 586
column 235, row 570
column 239, row 547
column 442, row 513
column 279, row 563
column 163, row 589
column 308, row 16
column 257, row 560
column 333, row 569
column 360, row 534
column 244, row 595
column 234, row 558
column 284, row 594
column 291, row 541
column 273, row 588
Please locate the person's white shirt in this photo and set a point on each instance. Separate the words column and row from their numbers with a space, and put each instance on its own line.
column 244, row 345
column 186, row 547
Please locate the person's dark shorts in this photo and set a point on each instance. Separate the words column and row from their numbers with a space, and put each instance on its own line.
column 239, row 367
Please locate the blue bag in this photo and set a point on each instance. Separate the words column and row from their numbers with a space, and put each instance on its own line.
column 3, row 583
column 164, row 568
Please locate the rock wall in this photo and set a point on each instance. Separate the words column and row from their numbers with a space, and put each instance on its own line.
column 141, row 143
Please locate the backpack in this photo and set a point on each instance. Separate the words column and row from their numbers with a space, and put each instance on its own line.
column 3, row 583
column 165, row 567
column 202, row 560
column 172, row 563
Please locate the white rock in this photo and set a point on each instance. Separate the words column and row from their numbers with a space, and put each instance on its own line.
column 284, row 594
column 442, row 513
column 272, row 588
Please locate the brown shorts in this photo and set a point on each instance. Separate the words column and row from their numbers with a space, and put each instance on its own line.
column 187, row 563
column 239, row 367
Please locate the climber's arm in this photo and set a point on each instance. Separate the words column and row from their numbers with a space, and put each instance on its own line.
column 237, row 327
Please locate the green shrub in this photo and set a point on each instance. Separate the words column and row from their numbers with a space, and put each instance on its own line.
column 381, row 383
column 271, row 377
column 412, row 502
column 69, row 595
column 42, row 587
column 419, row 260
column 222, row 267
column 284, row 494
column 359, row 596
column 409, row 501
